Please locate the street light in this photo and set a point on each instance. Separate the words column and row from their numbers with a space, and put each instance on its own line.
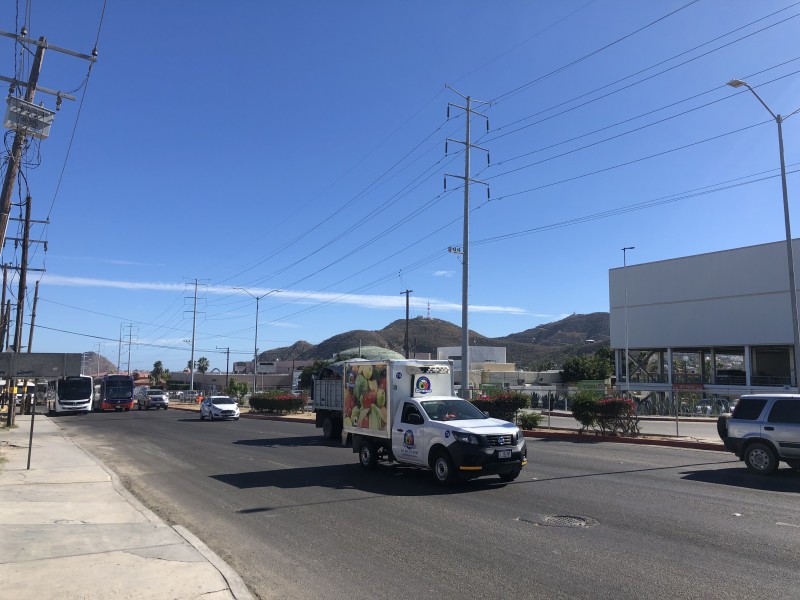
column 737, row 83
column 255, row 342
column 625, row 277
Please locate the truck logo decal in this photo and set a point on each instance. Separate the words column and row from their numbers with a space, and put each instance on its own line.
column 447, row 433
column 423, row 385
column 408, row 439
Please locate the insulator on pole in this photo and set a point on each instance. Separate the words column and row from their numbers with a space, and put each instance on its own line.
column 488, row 195
column 445, row 183
column 445, row 147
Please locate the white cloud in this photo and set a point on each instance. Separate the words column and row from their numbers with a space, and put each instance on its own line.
column 368, row 301
column 443, row 273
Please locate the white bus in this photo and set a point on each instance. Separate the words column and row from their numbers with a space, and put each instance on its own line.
column 73, row 394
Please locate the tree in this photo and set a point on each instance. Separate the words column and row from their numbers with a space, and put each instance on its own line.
column 189, row 365
column 306, row 376
column 157, row 374
column 202, row 365
column 237, row 389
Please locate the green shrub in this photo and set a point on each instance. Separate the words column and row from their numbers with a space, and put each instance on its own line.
column 503, row 405
column 529, row 420
column 611, row 416
column 277, row 403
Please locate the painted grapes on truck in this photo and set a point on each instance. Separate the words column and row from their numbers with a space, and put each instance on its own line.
column 365, row 396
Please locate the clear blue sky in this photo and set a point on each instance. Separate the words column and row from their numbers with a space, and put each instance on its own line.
column 299, row 146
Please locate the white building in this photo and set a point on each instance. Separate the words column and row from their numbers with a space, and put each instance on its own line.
column 716, row 324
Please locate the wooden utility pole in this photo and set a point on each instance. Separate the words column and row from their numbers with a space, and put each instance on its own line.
column 33, row 315
column 227, row 362
column 3, row 320
column 16, row 147
column 23, row 277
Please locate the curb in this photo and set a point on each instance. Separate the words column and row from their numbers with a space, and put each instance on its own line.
column 235, row 583
column 554, row 433
column 574, row 436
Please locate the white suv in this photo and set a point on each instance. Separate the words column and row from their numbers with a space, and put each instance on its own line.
column 763, row 430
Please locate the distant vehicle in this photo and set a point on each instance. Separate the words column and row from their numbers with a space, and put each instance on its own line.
column 153, row 398
column 73, row 394
column 763, row 430
column 114, row 392
column 219, row 407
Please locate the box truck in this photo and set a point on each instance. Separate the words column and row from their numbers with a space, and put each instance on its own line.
column 405, row 411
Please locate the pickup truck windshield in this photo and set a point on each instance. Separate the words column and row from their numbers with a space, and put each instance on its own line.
column 451, row 410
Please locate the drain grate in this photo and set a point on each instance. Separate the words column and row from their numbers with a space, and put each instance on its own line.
column 566, row 521
column 560, row 521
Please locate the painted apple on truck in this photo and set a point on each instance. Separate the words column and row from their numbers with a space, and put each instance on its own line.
column 405, row 411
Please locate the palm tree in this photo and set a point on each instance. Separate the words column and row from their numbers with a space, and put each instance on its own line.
column 202, row 364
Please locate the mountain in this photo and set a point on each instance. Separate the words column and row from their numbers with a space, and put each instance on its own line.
column 529, row 349
column 95, row 363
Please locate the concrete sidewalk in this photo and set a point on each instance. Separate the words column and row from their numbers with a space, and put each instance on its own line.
column 70, row 530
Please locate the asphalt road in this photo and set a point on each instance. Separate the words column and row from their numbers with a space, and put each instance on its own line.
column 298, row 518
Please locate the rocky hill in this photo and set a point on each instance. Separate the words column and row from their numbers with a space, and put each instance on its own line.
column 529, row 349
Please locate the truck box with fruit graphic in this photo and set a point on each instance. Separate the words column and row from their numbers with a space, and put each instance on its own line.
column 405, row 411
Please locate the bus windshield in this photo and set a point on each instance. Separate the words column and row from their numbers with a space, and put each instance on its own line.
column 119, row 390
column 75, row 389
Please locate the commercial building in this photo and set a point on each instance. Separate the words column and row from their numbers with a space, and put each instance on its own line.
column 703, row 330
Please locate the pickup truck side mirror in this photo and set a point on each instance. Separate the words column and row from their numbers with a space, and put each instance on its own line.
column 415, row 419
column 486, row 414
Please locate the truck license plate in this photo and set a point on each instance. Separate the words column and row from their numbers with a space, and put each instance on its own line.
column 504, row 454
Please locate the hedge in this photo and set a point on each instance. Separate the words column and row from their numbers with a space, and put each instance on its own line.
column 503, row 405
column 280, row 404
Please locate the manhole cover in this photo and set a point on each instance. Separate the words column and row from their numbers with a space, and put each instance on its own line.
column 560, row 521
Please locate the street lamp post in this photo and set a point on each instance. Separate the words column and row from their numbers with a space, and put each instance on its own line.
column 255, row 341
column 625, row 277
column 736, row 83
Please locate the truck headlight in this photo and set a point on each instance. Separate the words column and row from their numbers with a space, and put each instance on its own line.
column 469, row 438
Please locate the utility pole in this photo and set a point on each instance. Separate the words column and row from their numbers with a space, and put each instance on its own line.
column 23, row 276
column 33, row 315
column 16, row 147
column 130, row 335
column 30, row 122
column 119, row 350
column 405, row 339
column 468, row 112
column 194, row 331
column 227, row 362
column 3, row 319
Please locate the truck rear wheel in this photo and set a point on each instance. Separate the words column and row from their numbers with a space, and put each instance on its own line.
column 327, row 428
column 368, row 456
column 443, row 468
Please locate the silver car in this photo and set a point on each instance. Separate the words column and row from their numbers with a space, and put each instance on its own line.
column 219, row 407
column 153, row 398
column 763, row 430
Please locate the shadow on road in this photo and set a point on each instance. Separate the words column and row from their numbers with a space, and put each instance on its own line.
column 296, row 441
column 386, row 480
column 783, row 480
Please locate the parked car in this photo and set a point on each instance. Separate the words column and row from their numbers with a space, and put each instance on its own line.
column 219, row 407
column 153, row 398
column 763, row 430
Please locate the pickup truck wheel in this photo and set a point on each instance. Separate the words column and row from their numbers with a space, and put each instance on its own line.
column 138, row 406
column 761, row 459
column 327, row 428
column 367, row 456
column 510, row 476
column 443, row 469
column 722, row 427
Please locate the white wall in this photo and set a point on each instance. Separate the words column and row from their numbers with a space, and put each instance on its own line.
column 733, row 297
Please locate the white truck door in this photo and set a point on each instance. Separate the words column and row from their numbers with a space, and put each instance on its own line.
column 408, row 434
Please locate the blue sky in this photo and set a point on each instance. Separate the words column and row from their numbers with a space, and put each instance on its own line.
column 300, row 147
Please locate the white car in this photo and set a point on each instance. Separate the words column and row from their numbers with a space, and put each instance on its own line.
column 219, row 407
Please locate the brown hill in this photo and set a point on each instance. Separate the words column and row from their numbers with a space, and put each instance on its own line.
column 530, row 349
